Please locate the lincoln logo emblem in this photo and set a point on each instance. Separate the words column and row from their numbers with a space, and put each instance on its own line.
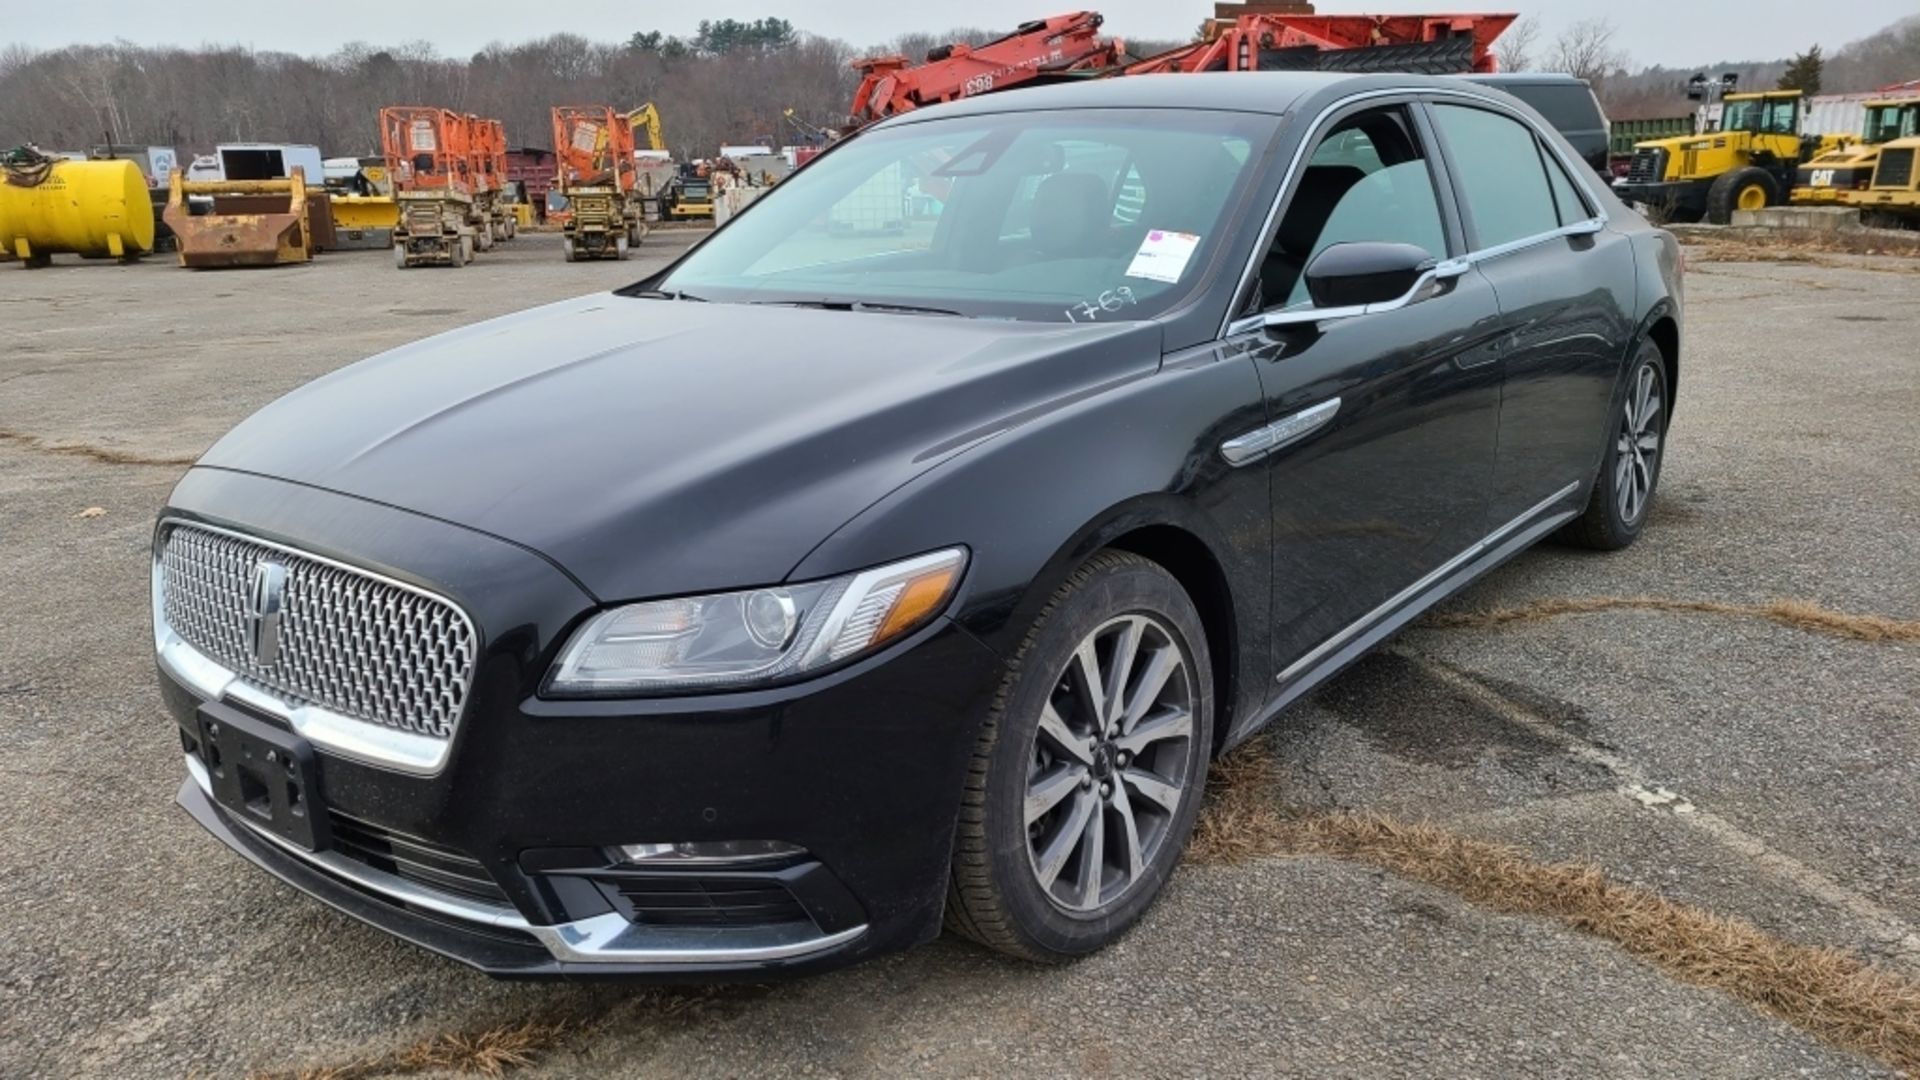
column 266, row 603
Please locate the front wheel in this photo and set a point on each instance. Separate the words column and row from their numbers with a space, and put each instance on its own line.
column 1742, row 189
column 1630, row 469
column 1088, row 774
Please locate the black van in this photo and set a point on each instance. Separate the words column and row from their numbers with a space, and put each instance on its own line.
column 1567, row 103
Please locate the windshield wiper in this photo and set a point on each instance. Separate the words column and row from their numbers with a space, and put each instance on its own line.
column 865, row 305
column 666, row 294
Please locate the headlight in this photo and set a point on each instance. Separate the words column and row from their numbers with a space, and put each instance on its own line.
column 733, row 640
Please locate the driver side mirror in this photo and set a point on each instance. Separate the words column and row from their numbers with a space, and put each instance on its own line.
column 1354, row 275
column 1349, row 280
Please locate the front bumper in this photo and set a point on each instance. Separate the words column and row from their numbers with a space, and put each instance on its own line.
column 861, row 768
column 1682, row 195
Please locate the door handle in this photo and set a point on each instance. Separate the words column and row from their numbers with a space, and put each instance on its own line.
column 1261, row 441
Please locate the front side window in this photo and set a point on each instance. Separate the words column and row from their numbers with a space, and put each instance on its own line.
column 1886, row 123
column 1368, row 180
column 1094, row 216
column 1500, row 174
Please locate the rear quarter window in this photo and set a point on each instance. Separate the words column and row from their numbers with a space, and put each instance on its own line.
column 1567, row 108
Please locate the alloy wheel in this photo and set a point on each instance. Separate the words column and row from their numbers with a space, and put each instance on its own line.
column 1637, row 448
column 1109, row 763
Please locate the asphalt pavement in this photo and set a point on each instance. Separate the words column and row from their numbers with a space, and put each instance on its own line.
column 1748, row 768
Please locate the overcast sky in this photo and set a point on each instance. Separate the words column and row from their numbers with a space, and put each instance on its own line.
column 1672, row 32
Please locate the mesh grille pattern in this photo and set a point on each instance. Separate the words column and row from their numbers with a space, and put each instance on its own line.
column 349, row 643
column 1649, row 166
column 1896, row 168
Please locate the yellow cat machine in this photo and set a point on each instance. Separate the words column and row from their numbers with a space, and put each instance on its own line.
column 1750, row 163
column 430, row 165
column 1827, row 179
column 1893, row 196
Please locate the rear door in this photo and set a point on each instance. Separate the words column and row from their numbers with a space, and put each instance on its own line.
column 1564, row 284
column 1387, row 421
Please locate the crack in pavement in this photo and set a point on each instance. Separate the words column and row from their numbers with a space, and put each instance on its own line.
column 105, row 455
column 1640, row 787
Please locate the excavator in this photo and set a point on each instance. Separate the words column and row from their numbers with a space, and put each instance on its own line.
column 1285, row 36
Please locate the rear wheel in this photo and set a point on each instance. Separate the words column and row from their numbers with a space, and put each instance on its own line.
column 620, row 247
column 459, row 251
column 400, row 256
column 1088, row 773
column 567, row 249
column 1742, row 189
column 1630, row 470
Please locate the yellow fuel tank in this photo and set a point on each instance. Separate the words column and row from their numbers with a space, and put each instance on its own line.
column 97, row 208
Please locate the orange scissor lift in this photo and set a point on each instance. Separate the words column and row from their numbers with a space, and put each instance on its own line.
column 429, row 158
column 493, row 216
column 596, row 171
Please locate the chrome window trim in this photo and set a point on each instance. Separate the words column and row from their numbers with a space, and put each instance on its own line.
column 1231, row 327
column 1404, row 596
column 602, row 939
column 345, row 736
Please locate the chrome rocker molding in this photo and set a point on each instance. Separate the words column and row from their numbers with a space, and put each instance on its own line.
column 1442, row 572
column 356, row 740
column 603, row 939
column 1262, row 441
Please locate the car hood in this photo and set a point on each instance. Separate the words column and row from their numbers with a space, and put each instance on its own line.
column 654, row 447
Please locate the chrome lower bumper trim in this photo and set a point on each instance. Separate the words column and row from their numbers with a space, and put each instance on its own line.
column 603, row 939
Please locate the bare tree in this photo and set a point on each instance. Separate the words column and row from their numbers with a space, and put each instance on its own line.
column 1585, row 50
column 1515, row 48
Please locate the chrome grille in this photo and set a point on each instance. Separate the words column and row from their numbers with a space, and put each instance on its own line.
column 353, row 644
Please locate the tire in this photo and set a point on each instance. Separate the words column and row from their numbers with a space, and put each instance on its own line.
column 483, row 237
column 400, row 256
column 1611, row 520
column 1750, row 188
column 513, row 228
column 620, row 247
column 567, row 249
column 1000, row 893
column 460, row 251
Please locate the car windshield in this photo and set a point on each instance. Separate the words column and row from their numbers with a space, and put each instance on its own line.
column 1092, row 216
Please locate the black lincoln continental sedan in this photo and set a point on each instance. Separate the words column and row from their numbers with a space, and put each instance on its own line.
column 901, row 555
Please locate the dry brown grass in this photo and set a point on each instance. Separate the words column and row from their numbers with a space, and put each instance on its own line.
column 493, row 1052
column 1241, row 816
column 1803, row 246
column 1797, row 614
column 106, row 455
column 1828, row 993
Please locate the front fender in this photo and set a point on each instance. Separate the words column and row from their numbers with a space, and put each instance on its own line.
column 1036, row 500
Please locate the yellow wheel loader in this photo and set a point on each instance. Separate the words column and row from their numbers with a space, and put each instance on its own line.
column 1893, row 196
column 1827, row 180
column 1749, row 164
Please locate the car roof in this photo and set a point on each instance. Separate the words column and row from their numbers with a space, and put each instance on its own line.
column 1526, row 78
column 1275, row 92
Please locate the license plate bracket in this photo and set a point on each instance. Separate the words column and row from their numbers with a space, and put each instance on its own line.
column 265, row 776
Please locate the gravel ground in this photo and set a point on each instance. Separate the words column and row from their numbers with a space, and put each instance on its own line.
column 134, row 945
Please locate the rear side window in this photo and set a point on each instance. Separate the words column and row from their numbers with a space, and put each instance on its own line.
column 1502, row 179
column 1566, row 198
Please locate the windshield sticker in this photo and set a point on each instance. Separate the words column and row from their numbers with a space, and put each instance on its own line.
column 1110, row 301
column 1163, row 255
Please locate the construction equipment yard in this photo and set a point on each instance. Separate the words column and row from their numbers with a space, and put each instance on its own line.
column 1722, row 721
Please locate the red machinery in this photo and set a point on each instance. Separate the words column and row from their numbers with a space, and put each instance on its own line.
column 595, row 173
column 429, row 155
column 1047, row 47
column 1268, row 41
column 427, row 149
column 1266, row 37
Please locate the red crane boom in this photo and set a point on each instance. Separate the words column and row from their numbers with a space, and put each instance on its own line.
column 1046, row 47
column 1425, row 44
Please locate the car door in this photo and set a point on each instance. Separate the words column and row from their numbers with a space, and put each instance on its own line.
column 1384, row 424
column 1561, row 278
